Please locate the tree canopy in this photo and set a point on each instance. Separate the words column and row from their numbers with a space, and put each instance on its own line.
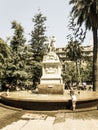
column 38, row 37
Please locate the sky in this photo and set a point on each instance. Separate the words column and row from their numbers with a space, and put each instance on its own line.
column 56, row 11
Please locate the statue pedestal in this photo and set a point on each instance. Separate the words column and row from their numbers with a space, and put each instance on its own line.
column 51, row 88
column 51, row 80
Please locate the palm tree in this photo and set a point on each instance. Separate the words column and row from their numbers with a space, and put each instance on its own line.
column 86, row 11
column 74, row 53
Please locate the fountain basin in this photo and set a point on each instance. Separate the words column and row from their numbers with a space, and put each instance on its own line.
column 27, row 100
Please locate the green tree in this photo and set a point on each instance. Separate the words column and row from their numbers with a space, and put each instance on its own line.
column 86, row 72
column 69, row 73
column 38, row 44
column 5, row 58
column 17, row 65
column 86, row 11
column 38, row 38
column 74, row 53
column 18, row 39
column 29, row 65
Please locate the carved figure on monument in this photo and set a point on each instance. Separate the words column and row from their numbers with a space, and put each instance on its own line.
column 52, row 44
column 50, row 56
column 51, row 69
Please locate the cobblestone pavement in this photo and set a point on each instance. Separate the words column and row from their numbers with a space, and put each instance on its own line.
column 61, row 121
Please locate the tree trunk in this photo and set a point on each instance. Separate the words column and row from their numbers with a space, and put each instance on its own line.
column 95, row 59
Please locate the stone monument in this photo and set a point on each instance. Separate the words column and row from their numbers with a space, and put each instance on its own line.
column 51, row 80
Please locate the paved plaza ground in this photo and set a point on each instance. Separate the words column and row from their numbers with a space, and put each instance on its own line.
column 11, row 119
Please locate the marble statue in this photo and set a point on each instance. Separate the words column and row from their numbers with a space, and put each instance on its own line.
column 52, row 44
column 51, row 71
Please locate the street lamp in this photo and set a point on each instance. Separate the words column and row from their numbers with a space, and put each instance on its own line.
column 78, row 68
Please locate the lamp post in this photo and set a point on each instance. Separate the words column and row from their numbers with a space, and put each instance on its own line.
column 78, row 70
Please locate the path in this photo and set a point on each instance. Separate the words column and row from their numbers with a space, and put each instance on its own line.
column 60, row 121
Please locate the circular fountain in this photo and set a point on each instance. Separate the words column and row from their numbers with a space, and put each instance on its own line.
column 51, row 94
